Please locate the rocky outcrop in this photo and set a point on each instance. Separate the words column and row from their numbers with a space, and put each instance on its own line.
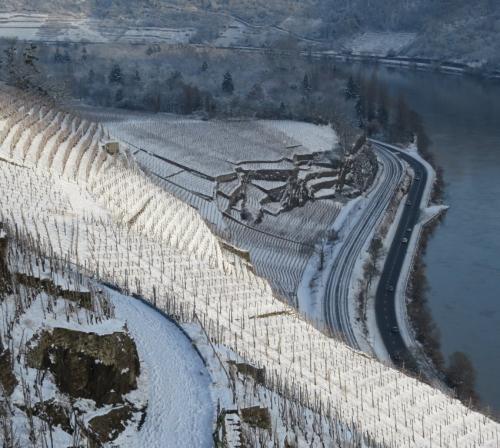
column 82, row 298
column 86, row 365
column 54, row 413
column 295, row 194
column 8, row 381
column 258, row 374
column 257, row 417
column 4, row 271
column 107, row 427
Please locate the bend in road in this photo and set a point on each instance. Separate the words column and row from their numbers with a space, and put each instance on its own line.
column 385, row 300
column 337, row 291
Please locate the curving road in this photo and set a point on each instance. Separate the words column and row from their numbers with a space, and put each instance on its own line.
column 337, row 297
column 385, row 300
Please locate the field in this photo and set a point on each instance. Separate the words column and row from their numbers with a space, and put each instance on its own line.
column 102, row 213
column 235, row 173
column 68, row 28
column 79, row 305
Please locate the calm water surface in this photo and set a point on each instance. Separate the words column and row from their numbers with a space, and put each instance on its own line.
column 462, row 117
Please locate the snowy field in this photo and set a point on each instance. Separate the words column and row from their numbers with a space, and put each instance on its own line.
column 103, row 213
column 380, row 43
column 41, row 27
column 214, row 147
column 173, row 386
column 196, row 153
column 180, row 408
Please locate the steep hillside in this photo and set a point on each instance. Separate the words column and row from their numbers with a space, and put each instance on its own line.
column 145, row 240
column 447, row 29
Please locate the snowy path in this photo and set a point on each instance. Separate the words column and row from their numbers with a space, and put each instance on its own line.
column 180, row 410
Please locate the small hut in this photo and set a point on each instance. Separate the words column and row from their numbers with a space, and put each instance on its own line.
column 112, row 148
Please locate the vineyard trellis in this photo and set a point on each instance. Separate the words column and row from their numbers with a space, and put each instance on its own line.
column 85, row 218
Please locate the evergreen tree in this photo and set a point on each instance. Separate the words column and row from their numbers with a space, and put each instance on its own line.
column 85, row 54
column 352, row 89
column 360, row 110
column 227, row 83
column 91, row 76
column 119, row 96
column 282, row 110
column 400, row 129
column 306, row 84
column 115, row 76
column 58, row 57
column 383, row 107
column 29, row 56
column 66, row 58
column 370, row 94
column 137, row 77
column 204, row 66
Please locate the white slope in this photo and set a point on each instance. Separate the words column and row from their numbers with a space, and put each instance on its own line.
column 180, row 409
column 169, row 253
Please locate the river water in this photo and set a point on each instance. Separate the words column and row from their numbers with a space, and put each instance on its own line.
column 462, row 117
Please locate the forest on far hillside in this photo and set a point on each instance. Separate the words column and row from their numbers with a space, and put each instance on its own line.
column 448, row 29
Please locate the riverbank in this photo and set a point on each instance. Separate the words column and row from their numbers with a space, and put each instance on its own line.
column 412, row 293
column 415, row 63
column 428, row 212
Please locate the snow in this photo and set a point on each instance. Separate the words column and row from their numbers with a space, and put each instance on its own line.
column 269, row 185
column 180, row 407
column 40, row 312
column 170, row 256
column 380, row 43
column 66, row 28
column 235, row 31
column 314, row 138
column 173, row 383
column 214, row 147
column 311, row 289
column 325, row 193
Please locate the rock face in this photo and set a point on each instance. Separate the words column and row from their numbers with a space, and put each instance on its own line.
column 55, row 414
column 7, row 377
column 257, row 417
column 86, row 365
column 4, row 271
column 107, row 427
column 82, row 298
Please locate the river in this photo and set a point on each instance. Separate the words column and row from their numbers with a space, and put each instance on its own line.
column 462, row 118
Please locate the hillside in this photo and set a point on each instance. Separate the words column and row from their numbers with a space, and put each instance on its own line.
column 449, row 29
column 99, row 210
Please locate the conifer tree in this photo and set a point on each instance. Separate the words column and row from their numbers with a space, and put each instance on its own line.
column 227, row 83
column 116, row 77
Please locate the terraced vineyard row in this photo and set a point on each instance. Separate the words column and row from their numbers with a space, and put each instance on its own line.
column 150, row 243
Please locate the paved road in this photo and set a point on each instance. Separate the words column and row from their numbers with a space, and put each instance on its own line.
column 385, row 305
column 337, row 297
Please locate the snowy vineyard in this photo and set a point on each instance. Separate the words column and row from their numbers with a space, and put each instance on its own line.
column 65, row 194
column 280, row 245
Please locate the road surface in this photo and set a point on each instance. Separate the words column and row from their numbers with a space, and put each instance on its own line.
column 385, row 300
column 337, row 292
column 338, row 309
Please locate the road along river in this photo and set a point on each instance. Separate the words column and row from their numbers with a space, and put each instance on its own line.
column 462, row 118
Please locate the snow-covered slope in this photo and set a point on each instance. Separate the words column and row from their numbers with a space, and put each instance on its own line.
column 166, row 253
column 172, row 404
column 180, row 408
